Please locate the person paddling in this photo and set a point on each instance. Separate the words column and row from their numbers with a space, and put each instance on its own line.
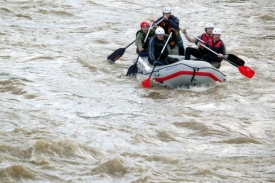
column 142, row 47
column 156, row 45
column 199, row 51
column 169, row 22
column 217, row 45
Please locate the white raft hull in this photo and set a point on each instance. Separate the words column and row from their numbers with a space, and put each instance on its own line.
column 183, row 72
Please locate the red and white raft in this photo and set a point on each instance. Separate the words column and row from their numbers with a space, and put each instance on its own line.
column 183, row 72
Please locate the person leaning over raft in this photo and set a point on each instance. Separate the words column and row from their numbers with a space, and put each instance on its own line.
column 142, row 48
column 198, row 52
column 171, row 22
column 217, row 45
column 156, row 45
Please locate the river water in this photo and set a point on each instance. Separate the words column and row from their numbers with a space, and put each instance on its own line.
column 68, row 115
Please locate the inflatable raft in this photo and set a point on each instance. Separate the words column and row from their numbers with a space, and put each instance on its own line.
column 183, row 72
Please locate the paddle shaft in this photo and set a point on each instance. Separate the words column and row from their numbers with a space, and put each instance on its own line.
column 130, row 44
column 147, row 34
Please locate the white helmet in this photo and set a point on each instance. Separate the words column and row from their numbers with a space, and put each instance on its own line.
column 216, row 31
column 166, row 10
column 209, row 25
column 159, row 30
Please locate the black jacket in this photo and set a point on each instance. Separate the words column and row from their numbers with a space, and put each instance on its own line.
column 154, row 49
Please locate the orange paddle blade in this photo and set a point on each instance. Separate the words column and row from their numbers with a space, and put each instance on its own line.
column 246, row 71
column 146, row 83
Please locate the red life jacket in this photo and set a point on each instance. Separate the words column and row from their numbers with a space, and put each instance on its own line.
column 217, row 44
column 205, row 38
column 215, row 47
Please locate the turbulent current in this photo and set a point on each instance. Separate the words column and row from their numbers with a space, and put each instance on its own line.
column 69, row 115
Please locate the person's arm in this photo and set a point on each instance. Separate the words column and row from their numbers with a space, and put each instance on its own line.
column 174, row 22
column 152, row 31
column 223, row 51
column 155, row 22
column 198, row 42
column 139, row 39
column 188, row 37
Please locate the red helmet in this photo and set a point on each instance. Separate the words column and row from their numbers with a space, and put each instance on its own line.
column 144, row 24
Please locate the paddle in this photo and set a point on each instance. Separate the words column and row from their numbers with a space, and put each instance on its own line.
column 146, row 83
column 133, row 68
column 118, row 53
column 246, row 71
